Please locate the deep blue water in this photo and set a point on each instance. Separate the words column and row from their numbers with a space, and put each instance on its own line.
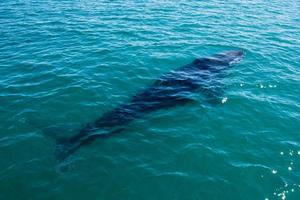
column 64, row 63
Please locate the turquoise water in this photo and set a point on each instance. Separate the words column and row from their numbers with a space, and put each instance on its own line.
column 64, row 63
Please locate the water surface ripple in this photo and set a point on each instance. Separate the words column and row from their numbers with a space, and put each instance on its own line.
column 64, row 63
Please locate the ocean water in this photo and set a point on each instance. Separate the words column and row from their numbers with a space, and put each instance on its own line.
column 64, row 63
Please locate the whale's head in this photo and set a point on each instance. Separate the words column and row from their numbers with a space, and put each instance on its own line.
column 220, row 61
column 229, row 56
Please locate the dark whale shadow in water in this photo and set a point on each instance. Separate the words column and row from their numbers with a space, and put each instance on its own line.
column 171, row 89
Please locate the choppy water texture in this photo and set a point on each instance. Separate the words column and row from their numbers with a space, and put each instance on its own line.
column 64, row 63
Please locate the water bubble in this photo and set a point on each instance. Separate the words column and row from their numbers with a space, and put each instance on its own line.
column 282, row 195
column 272, row 86
column 290, row 168
column 261, row 86
column 224, row 100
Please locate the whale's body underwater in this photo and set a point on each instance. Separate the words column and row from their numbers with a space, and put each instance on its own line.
column 171, row 89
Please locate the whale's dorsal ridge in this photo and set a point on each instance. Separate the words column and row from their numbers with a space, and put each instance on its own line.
column 205, row 63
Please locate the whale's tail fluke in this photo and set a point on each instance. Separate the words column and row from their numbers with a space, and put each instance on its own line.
column 67, row 143
column 65, row 147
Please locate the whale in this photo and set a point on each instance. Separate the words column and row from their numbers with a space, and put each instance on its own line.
column 169, row 90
